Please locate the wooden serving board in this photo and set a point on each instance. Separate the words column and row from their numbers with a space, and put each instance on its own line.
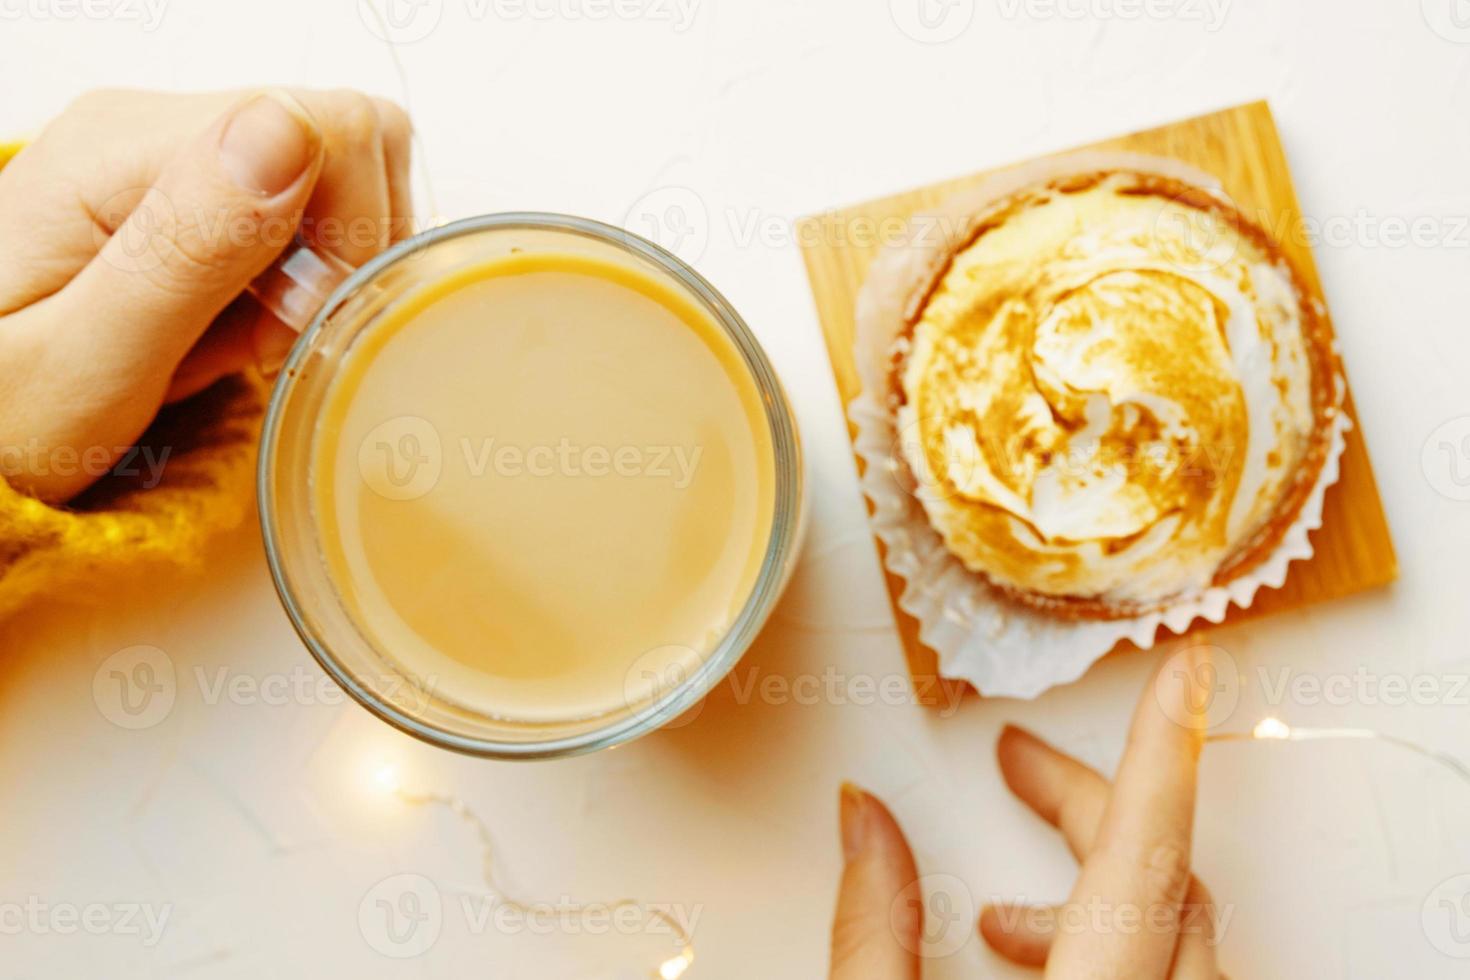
column 1240, row 146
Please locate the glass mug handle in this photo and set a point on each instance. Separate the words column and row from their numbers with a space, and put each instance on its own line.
column 297, row 285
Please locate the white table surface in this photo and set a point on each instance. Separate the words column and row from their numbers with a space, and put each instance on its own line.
column 250, row 816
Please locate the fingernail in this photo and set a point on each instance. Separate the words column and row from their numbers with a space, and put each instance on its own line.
column 854, row 809
column 269, row 142
column 1015, row 735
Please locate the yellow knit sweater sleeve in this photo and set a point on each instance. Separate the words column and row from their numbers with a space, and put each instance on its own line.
column 189, row 479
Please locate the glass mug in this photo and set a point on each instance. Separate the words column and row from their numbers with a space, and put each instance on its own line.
column 335, row 305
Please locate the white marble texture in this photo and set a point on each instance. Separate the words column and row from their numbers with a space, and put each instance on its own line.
column 251, row 817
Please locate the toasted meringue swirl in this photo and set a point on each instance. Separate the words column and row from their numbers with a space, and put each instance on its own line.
column 1108, row 393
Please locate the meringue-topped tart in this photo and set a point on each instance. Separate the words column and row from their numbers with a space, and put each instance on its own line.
column 1114, row 395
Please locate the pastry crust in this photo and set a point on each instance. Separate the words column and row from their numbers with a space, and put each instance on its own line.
column 974, row 220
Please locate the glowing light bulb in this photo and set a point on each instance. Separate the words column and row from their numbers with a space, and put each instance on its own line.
column 1271, row 728
column 386, row 780
column 674, row 969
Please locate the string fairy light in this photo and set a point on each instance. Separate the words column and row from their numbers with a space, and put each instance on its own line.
column 1276, row 730
column 380, row 21
column 386, row 780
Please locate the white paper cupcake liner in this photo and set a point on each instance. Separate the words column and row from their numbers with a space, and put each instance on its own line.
column 1004, row 648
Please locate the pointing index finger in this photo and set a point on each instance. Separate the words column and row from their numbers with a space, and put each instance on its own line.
column 1140, row 863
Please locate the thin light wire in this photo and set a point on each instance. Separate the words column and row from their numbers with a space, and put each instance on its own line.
column 1275, row 730
column 670, row 969
column 435, row 218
